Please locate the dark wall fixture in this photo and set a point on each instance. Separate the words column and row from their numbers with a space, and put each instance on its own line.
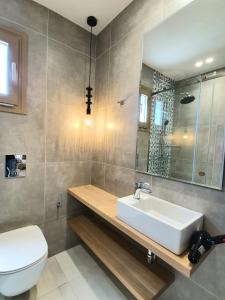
column 92, row 22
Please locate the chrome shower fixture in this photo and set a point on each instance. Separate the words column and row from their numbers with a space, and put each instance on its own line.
column 187, row 99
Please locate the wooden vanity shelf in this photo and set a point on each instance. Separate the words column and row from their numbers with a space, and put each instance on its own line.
column 142, row 281
column 104, row 205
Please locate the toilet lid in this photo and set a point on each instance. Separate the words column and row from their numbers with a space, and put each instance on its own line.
column 21, row 248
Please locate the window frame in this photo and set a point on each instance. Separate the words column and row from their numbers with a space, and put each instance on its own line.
column 146, row 98
column 15, row 102
column 147, row 92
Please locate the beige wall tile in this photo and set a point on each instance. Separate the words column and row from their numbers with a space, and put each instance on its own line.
column 68, row 33
column 119, row 181
column 126, row 32
column 26, row 13
column 50, row 130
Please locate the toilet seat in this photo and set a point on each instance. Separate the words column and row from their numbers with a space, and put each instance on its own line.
column 25, row 268
column 21, row 249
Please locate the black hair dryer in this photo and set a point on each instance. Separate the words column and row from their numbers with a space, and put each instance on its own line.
column 201, row 242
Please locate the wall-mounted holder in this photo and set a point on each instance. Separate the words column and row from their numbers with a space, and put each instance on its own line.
column 122, row 102
column 15, row 165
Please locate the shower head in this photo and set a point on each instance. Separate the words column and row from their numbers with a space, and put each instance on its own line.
column 187, row 99
column 166, row 122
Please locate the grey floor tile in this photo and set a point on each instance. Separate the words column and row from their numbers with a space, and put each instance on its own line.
column 52, row 278
column 73, row 275
column 66, row 263
column 95, row 285
column 82, row 289
column 54, row 295
column 67, row 292
column 100, row 282
column 81, row 258
column 75, row 261
column 86, row 278
column 185, row 289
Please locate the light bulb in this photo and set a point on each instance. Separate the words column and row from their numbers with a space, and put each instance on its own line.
column 198, row 64
column 110, row 126
column 87, row 122
column 209, row 60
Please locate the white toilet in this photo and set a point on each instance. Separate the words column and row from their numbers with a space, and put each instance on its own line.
column 23, row 254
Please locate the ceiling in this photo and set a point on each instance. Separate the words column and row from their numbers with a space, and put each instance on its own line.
column 77, row 11
column 193, row 34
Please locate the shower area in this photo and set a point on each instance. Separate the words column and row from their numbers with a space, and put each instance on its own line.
column 186, row 135
column 162, row 113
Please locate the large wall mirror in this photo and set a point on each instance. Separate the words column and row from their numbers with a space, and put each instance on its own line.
column 181, row 126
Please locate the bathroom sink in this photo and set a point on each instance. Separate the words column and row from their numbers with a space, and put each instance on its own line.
column 168, row 224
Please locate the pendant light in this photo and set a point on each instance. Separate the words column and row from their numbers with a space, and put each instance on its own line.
column 92, row 22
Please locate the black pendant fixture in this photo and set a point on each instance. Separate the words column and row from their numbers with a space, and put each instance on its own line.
column 92, row 22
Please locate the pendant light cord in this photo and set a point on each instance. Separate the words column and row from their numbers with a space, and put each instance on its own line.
column 92, row 22
column 90, row 67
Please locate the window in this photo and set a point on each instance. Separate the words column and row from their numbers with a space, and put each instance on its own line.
column 13, row 70
column 158, row 112
column 4, row 68
column 143, row 108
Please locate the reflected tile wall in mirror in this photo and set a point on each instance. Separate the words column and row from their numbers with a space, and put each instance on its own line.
column 183, row 135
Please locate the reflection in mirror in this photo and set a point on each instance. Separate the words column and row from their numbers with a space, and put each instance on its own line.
column 181, row 128
column 15, row 165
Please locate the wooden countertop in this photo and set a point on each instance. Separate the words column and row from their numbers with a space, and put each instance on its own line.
column 143, row 281
column 104, row 204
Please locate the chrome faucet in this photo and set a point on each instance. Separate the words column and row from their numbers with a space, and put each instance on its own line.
column 141, row 187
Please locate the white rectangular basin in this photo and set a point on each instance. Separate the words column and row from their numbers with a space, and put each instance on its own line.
column 168, row 224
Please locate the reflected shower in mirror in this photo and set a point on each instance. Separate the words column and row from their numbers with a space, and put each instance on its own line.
column 181, row 126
